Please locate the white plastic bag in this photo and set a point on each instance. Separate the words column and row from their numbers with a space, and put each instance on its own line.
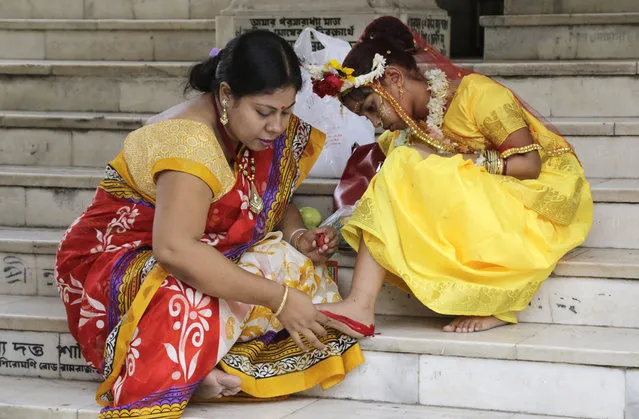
column 337, row 220
column 343, row 128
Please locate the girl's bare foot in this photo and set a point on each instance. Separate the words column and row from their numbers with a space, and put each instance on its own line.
column 350, row 311
column 469, row 324
column 218, row 384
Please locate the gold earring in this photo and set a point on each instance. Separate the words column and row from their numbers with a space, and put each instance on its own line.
column 224, row 119
column 401, row 91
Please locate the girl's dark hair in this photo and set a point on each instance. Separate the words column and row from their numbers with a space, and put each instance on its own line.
column 387, row 36
column 252, row 63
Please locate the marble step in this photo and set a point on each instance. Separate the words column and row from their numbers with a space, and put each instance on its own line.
column 606, row 146
column 590, row 36
column 596, row 287
column 559, row 89
column 62, row 399
column 91, row 39
column 527, row 7
column 54, row 197
column 417, row 363
column 115, row 9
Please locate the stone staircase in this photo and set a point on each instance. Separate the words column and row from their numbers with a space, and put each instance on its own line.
column 70, row 90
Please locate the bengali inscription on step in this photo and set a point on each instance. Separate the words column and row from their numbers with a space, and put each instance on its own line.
column 17, row 274
column 435, row 29
column 47, row 355
column 45, row 277
column 26, row 274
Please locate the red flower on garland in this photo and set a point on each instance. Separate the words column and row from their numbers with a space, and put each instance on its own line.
column 330, row 85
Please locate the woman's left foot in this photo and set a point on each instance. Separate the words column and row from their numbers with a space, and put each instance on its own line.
column 470, row 324
column 218, row 384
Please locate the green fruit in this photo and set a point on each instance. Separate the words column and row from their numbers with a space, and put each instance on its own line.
column 311, row 217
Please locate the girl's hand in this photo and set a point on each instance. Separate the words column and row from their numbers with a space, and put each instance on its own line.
column 318, row 244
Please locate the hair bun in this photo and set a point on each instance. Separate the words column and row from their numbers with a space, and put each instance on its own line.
column 390, row 27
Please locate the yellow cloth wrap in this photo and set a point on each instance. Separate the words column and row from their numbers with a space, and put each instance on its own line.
column 461, row 240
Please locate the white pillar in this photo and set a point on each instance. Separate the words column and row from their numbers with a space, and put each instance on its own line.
column 345, row 19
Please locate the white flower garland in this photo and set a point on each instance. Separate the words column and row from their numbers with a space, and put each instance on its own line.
column 438, row 86
column 377, row 71
column 317, row 72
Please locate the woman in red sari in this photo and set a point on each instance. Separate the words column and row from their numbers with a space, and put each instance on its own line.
column 177, row 280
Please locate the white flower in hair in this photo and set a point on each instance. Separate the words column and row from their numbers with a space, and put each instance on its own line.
column 377, row 72
column 325, row 76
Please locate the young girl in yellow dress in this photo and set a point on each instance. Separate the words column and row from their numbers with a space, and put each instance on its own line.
column 477, row 199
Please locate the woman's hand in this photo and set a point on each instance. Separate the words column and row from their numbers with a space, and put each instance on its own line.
column 300, row 317
column 318, row 244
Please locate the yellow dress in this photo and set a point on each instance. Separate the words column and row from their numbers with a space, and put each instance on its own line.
column 463, row 241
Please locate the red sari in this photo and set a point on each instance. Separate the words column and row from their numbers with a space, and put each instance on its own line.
column 153, row 337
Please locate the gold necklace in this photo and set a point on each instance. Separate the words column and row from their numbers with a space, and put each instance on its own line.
column 416, row 130
column 256, row 203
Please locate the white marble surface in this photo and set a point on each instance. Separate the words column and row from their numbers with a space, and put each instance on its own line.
column 611, row 96
column 383, row 377
column 42, row 9
column 538, row 310
column 27, row 398
column 62, row 94
column 424, row 336
column 601, row 263
column 183, row 46
column 58, row 399
column 620, row 190
column 596, row 96
column 560, row 42
column 331, row 409
column 632, row 394
column 260, row 410
column 56, row 207
column 21, row 45
column 583, row 345
column 150, row 95
column 537, row 92
column 611, row 226
column 99, row 45
column 137, row 9
column 29, row 240
column 607, row 157
column 35, row 147
column 593, row 301
column 527, row 387
column 96, row 148
column 40, row 314
column 12, row 204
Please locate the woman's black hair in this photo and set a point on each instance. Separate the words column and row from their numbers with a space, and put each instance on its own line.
column 252, row 63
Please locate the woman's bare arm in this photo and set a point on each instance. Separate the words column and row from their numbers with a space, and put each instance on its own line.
column 181, row 211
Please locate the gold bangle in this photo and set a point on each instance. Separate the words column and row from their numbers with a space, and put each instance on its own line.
column 297, row 238
column 490, row 163
column 495, row 164
column 521, row 150
column 500, row 166
column 290, row 240
column 283, row 303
